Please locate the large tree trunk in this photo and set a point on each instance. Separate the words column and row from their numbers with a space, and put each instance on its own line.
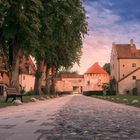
column 38, row 77
column 52, row 88
column 15, row 53
column 47, row 85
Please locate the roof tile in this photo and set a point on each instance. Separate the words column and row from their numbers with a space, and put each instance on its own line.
column 96, row 69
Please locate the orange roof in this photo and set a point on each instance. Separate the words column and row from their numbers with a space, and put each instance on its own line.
column 96, row 69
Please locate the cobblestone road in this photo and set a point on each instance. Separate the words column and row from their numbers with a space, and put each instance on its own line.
column 73, row 117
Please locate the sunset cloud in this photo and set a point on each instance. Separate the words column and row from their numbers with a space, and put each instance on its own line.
column 109, row 21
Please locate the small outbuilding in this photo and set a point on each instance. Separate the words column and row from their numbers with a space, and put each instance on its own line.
column 95, row 77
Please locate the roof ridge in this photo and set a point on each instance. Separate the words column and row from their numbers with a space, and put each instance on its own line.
column 95, row 69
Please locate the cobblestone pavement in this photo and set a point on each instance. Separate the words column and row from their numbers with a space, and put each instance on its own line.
column 23, row 122
column 86, row 118
column 74, row 117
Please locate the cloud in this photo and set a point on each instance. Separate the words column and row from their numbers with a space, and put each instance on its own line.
column 109, row 21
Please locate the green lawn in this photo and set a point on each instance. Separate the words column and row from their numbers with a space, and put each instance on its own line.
column 26, row 99
column 122, row 99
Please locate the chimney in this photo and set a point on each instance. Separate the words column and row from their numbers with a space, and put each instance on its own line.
column 132, row 42
column 133, row 48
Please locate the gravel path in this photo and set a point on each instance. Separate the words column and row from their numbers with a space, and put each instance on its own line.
column 73, row 117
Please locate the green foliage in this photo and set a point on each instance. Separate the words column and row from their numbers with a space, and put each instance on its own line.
column 105, row 86
column 38, row 74
column 22, row 23
column 66, row 72
column 106, row 67
column 20, row 71
column 113, row 84
column 65, row 24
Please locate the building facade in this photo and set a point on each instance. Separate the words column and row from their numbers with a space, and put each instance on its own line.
column 94, row 78
column 27, row 75
column 70, row 83
column 91, row 80
column 125, row 67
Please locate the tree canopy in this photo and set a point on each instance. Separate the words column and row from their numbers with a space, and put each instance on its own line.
column 106, row 67
column 50, row 30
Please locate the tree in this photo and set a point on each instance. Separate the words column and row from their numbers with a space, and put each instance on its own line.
column 20, row 28
column 106, row 67
column 63, row 25
column 68, row 25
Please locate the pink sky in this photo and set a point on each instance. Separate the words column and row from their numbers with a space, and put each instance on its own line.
column 94, row 50
column 109, row 21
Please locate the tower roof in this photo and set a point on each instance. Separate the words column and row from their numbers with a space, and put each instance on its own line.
column 96, row 69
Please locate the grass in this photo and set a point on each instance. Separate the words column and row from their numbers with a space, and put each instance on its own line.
column 26, row 99
column 122, row 99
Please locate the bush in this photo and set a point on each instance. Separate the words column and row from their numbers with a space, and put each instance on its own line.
column 29, row 93
column 64, row 93
column 99, row 93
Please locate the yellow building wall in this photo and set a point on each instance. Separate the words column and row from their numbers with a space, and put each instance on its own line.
column 67, row 84
column 126, row 66
column 128, row 83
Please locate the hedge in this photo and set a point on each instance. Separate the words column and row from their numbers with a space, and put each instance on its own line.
column 99, row 93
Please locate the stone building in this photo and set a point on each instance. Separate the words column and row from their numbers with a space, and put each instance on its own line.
column 4, row 78
column 125, row 67
column 91, row 80
column 70, row 83
column 94, row 78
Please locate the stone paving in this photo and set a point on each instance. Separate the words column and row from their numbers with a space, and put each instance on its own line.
column 73, row 117
column 22, row 122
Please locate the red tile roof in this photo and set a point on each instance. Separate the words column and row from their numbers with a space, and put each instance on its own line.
column 127, row 51
column 96, row 69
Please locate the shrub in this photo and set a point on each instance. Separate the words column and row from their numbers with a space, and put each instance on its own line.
column 99, row 93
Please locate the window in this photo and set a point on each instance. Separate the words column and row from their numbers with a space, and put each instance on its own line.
column 123, row 65
column 79, row 80
column 88, row 82
column 23, row 77
column 133, row 64
column 134, row 77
